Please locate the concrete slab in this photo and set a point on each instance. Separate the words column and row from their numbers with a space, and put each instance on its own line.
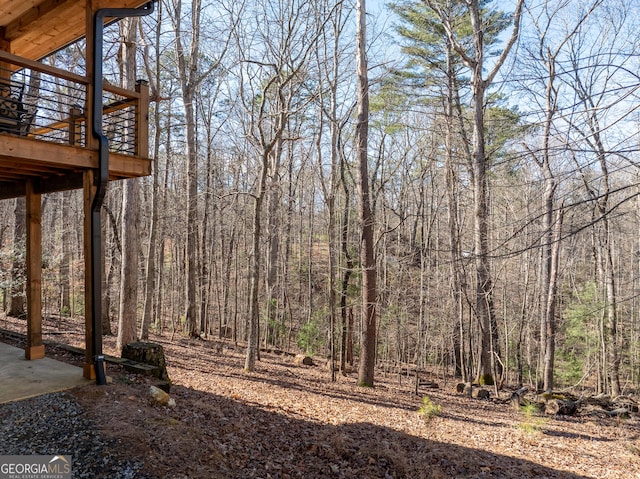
column 21, row 379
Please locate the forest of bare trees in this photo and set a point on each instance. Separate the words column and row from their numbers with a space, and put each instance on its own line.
column 454, row 187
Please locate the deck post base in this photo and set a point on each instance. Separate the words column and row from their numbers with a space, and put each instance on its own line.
column 34, row 352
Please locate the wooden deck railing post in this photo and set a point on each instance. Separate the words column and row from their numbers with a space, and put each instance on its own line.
column 142, row 120
column 75, row 133
column 34, row 348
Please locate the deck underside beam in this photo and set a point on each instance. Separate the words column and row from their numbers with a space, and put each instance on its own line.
column 56, row 167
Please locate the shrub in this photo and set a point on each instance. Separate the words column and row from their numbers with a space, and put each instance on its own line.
column 309, row 337
column 532, row 422
column 429, row 409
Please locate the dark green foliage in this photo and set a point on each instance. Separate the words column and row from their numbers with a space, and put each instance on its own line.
column 310, row 339
column 578, row 335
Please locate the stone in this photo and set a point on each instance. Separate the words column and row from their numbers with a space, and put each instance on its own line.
column 161, row 397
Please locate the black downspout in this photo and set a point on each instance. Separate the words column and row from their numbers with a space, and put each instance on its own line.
column 101, row 180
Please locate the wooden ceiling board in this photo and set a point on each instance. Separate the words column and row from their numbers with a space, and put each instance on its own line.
column 10, row 10
column 31, row 19
column 37, row 28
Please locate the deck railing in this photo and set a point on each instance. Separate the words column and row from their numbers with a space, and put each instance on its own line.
column 47, row 103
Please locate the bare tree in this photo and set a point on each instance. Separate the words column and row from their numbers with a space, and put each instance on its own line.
column 546, row 52
column 151, row 283
column 190, row 75
column 18, row 269
column 273, row 90
column 369, row 290
column 127, row 317
column 473, row 56
column 328, row 58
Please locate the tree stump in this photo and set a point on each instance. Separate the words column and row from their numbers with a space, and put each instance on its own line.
column 518, row 400
column 302, row 359
column 148, row 353
column 482, row 394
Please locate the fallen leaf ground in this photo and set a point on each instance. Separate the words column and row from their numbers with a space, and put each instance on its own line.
column 290, row 421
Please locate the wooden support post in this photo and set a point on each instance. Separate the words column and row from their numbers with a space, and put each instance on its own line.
column 89, row 191
column 142, row 120
column 34, row 348
column 5, row 68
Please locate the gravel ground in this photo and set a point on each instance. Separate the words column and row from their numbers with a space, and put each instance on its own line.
column 56, row 424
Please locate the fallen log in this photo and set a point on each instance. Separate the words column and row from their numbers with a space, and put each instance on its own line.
column 563, row 407
column 625, row 402
column 602, row 400
column 621, row 412
column 429, row 384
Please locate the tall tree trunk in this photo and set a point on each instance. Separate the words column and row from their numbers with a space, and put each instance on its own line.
column 348, row 268
column 65, row 261
column 189, row 80
column 17, row 306
column 550, row 309
column 192, row 272
column 484, row 287
column 152, row 250
column 112, row 264
column 369, row 289
column 473, row 58
column 253, row 326
column 127, row 317
column 550, row 249
column 204, row 242
column 455, row 272
column 274, row 236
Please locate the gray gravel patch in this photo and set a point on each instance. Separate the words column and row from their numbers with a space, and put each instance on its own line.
column 56, row 424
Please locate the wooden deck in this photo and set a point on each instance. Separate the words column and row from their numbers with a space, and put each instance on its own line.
column 55, row 167
column 54, row 149
column 47, row 143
